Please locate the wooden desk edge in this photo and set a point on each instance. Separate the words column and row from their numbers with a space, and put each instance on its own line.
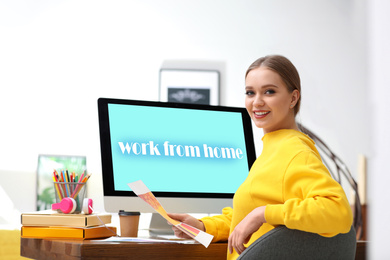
column 92, row 249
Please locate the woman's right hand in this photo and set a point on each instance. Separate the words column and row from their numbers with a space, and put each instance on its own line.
column 187, row 219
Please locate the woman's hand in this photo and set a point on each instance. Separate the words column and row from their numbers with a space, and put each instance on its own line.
column 244, row 230
column 187, row 219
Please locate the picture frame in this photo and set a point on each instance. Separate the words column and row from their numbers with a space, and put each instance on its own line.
column 46, row 166
column 190, row 86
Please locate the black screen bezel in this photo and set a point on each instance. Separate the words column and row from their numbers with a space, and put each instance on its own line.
column 106, row 153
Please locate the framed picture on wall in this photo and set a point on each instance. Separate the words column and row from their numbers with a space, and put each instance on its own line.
column 46, row 166
column 190, row 86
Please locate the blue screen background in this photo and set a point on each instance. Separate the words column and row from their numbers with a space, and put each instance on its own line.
column 142, row 124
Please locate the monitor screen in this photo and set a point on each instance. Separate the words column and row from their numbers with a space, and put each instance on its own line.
column 192, row 157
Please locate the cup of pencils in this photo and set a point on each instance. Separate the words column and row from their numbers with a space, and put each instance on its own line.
column 70, row 191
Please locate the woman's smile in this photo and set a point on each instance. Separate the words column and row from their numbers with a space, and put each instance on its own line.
column 261, row 114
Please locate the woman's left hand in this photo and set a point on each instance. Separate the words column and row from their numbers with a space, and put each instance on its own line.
column 244, row 230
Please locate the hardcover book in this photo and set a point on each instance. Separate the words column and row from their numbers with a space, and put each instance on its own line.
column 65, row 232
column 52, row 218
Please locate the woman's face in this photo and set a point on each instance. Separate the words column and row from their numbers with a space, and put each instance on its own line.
column 268, row 101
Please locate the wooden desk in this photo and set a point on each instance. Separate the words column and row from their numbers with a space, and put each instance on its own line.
column 89, row 249
column 75, row 249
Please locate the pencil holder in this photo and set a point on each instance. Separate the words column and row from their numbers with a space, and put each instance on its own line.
column 69, row 197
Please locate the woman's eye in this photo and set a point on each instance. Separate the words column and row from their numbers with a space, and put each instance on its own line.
column 249, row 93
column 269, row 91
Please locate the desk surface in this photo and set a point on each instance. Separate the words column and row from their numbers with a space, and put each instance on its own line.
column 89, row 249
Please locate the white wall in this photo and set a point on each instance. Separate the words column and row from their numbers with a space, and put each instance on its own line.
column 379, row 94
column 58, row 57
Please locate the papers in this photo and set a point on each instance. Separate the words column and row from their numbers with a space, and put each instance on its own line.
column 147, row 240
column 144, row 193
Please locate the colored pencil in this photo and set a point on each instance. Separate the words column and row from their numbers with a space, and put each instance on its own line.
column 56, row 185
column 78, row 189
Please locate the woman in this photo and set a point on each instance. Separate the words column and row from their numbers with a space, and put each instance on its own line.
column 288, row 184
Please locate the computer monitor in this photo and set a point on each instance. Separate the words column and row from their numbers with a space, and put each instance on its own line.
column 192, row 157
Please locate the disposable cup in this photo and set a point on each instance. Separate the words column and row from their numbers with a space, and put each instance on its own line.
column 129, row 222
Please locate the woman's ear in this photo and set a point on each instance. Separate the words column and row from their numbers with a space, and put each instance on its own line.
column 294, row 98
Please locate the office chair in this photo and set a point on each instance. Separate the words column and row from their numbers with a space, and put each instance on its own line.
column 338, row 171
column 283, row 243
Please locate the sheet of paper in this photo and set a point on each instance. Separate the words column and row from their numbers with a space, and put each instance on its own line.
column 146, row 240
column 144, row 193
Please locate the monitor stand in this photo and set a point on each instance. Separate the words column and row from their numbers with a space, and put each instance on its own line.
column 159, row 226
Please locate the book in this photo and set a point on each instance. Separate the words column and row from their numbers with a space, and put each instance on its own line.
column 52, row 218
column 68, row 232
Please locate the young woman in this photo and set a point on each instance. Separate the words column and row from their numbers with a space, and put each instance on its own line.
column 288, row 184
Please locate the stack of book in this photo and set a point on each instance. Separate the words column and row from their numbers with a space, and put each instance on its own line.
column 50, row 224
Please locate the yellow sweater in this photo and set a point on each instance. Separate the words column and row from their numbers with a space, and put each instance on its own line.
column 290, row 179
